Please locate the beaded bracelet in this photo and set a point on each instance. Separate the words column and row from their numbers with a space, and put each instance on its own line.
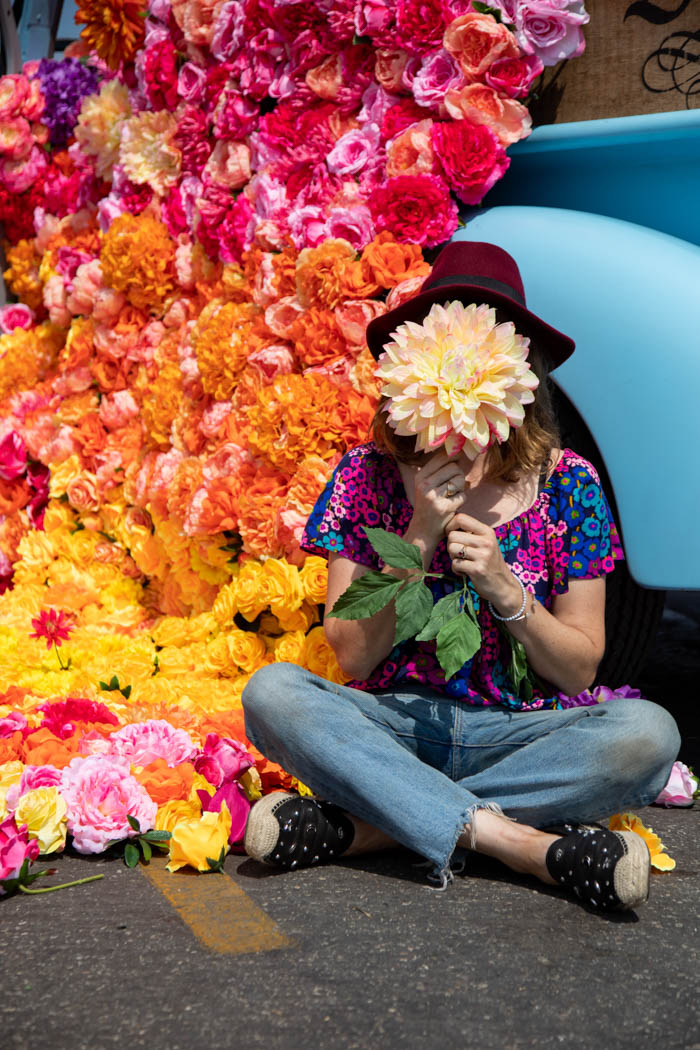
column 520, row 614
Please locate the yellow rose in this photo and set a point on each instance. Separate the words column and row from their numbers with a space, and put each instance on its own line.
column 62, row 474
column 202, row 626
column 195, row 842
column 300, row 620
column 320, row 658
column 248, row 651
column 252, row 784
column 225, row 608
column 175, row 812
column 43, row 810
column 290, row 647
column 314, row 579
column 200, row 783
column 249, row 599
column 172, row 630
column 281, row 584
column 10, row 773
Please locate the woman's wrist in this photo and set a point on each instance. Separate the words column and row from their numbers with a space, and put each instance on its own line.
column 510, row 602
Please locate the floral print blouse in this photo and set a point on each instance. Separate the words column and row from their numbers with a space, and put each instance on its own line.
column 567, row 533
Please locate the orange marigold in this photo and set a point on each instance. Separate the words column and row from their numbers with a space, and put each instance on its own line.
column 161, row 404
column 138, row 258
column 259, row 498
column 319, row 273
column 305, row 415
column 316, row 337
column 115, row 29
column 22, row 274
column 26, row 356
column 222, row 341
column 79, row 346
column 391, row 262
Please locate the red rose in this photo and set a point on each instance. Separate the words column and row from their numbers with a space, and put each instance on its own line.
column 417, row 209
column 471, row 156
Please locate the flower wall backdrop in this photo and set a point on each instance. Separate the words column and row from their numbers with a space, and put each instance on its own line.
column 203, row 207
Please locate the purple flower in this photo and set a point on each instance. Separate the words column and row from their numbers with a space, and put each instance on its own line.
column 601, row 693
column 64, row 85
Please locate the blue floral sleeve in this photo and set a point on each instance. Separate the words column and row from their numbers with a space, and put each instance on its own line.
column 354, row 497
column 583, row 534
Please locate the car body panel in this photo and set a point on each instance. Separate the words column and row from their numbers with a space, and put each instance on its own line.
column 630, row 297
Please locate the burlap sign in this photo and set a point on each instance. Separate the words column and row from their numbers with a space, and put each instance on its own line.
column 641, row 57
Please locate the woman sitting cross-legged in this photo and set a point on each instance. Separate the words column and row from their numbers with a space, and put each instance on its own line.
column 465, row 465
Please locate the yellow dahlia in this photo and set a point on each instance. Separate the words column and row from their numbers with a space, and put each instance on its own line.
column 459, row 379
column 115, row 29
column 138, row 258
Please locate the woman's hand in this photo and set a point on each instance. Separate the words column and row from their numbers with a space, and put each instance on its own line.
column 475, row 553
column 439, row 486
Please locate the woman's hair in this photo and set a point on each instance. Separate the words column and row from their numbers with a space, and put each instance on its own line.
column 527, row 449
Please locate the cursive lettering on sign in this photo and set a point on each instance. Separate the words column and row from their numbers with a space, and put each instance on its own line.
column 653, row 13
column 675, row 66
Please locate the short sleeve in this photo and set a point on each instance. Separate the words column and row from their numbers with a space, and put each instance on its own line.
column 583, row 538
column 355, row 496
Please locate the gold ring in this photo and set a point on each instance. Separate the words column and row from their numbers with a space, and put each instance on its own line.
column 462, row 554
column 450, row 489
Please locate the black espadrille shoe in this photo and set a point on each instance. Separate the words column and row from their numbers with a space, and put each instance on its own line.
column 290, row 832
column 607, row 870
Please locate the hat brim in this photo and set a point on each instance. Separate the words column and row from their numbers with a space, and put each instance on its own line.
column 555, row 346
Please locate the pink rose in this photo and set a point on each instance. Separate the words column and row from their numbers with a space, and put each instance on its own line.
column 229, row 164
column 15, row 315
column 307, row 226
column 14, row 89
column 514, row 76
column 15, row 848
column 100, row 793
column 228, row 29
column 33, row 104
column 471, row 157
column 82, row 492
column 118, row 409
column 438, row 74
column 373, row 18
column 144, row 742
column 222, row 759
column 509, row 120
column 236, row 799
column 87, row 282
column 353, row 224
column 353, row 150
column 402, row 292
column 13, row 456
column 273, row 360
column 16, row 139
column 476, row 41
column 551, row 29
column 191, row 82
column 32, row 777
column 417, row 209
column 15, row 722
column 353, row 317
column 681, row 788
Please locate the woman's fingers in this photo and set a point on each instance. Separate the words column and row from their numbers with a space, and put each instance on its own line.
column 465, row 523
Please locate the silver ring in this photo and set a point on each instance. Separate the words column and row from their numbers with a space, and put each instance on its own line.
column 462, row 554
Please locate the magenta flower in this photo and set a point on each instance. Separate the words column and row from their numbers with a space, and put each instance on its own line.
column 15, row 848
column 13, row 456
column 54, row 625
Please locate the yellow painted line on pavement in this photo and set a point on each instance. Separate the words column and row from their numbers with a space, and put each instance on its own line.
column 218, row 912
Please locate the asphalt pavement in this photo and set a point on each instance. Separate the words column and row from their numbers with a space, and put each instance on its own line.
column 364, row 954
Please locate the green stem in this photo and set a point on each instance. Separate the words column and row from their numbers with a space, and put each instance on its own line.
column 63, row 886
column 63, row 668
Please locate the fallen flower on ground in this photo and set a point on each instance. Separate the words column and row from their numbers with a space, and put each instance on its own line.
column 631, row 822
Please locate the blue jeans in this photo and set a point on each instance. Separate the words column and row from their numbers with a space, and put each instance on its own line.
column 417, row 764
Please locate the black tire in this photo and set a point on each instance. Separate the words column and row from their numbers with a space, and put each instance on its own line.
column 632, row 612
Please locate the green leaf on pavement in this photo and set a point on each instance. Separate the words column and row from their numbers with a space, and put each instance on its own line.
column 131, row 855
column 365, row 596
column 393, row 550
column 443, row 611
column 414, row 603
column 457, row 641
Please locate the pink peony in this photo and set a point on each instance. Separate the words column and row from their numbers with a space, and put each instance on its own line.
column 420, row 25
column 144, row 742
column 15, row 315
column 32, row 777
column 13, row 456
column 471, row 157
column 477, row 41
column 222, row 759
column 228, row 29
column 514, row 76
column 352, row 151
column 681, row 788
column 273, row 360
column 374, row 18
column 15, row 848
column 100, row 793
column 417, row 209
column 229, row 165
column 191, row 81
column 118, row 409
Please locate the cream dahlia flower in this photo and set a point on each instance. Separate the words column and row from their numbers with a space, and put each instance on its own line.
column 459, row 379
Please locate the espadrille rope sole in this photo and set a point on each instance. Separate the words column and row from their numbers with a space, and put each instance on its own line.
column 605, row 869
column 290, row 832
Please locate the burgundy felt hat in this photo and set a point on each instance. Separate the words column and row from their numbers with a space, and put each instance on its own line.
column 474, row 271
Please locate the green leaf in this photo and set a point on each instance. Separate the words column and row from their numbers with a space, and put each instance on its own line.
column 145, row 849
column 158, row 836
column 393, row 550
column 457, row 641
column 366, row 596
column 131, row 855
column 486, row 9
column 126, row 692
column 114, row 682
column 217, row 865
column 443, row 611
column 133, row 822
column 414, row 604
column 104, row 686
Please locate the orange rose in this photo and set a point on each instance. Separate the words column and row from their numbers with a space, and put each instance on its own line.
column 327, row 79
column 508, row 119
column 91, row 435
column 476, row 41
column 14, row 494
column 389, row 67
column 82, row 492
column 165, row 783
column 391, row 262
column 411, row 153
column 43, row 748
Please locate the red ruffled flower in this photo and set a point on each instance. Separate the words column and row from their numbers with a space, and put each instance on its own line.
column 417, row 209
column 471, row 156
column 54, row 625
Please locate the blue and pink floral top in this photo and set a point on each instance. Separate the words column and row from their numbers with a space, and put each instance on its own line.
column 568, row 533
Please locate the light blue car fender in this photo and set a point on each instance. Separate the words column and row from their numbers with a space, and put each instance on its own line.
column 630, row 298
